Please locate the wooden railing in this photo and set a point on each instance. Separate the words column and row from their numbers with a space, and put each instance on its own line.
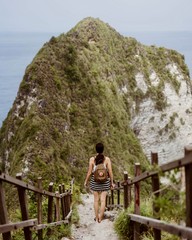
column 185, row 165
column 58, row 210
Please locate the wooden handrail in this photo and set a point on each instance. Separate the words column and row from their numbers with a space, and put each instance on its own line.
column 175, row 229
column 157, row 224
column 6, row 178
column 34, row 224
column 163, row 168
column 15, row 226
column 43, row 226
column 186, row 160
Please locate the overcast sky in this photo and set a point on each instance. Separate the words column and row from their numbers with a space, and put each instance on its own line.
column 123, row 15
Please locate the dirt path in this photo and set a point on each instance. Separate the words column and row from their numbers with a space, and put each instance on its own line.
column 88, row 229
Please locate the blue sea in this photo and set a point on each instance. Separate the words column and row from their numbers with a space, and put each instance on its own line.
column 17, row 51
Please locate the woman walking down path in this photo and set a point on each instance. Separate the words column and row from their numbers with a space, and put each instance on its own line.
column 87, row 228
column 101, row 180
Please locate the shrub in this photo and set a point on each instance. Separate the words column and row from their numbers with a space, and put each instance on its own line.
column 123, row 224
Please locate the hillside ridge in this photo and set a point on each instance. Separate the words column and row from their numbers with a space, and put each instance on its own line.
column 83, row 87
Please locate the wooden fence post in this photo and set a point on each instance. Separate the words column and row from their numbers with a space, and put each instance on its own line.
column 155, row 190
column 112, row 198
column 50, row 209
column 39, row 209
column 62, row 203
column 108, row 202
column 188, row 186
column 129, row 192
column 125, row 186
column 3, row 211
column 137, row 202
column 68, row 201
column 118, row 194
column 57, row 207
column 71, row 190
column 23, row 206
column 137, row 190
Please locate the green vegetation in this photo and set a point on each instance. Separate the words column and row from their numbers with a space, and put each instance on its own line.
column 170, row 195
column 70, row 98
column 57, row 232
column 123, row 225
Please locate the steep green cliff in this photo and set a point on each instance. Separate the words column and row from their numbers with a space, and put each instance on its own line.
column 73, row 95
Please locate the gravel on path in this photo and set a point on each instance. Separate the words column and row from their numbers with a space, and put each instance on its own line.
column 87, row 228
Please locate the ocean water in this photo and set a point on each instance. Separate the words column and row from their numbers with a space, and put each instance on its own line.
column 17, row 51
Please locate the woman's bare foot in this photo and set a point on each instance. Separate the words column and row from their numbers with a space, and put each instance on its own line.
column 100, row 219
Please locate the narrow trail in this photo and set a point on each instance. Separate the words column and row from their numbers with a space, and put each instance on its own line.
column 88, row 229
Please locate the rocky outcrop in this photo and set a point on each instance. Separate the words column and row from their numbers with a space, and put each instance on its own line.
column 168, row 131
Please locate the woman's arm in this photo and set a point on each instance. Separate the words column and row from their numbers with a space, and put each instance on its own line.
column 109, row 167
column 89, row 172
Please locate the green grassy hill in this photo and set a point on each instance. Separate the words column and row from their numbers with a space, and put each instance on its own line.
column 73, row 95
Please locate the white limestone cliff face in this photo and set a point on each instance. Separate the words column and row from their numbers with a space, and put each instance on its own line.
column 169, row 131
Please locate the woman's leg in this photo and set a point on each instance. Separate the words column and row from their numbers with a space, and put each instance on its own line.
column 103, row 205
column 96, row 204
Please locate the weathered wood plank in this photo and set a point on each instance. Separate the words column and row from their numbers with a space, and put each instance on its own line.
column 137, row 190
column 178, row 230
column 26, row 224
column 142, row 177
column 137, row 201
column 57, row 209
column 17, row 182
column 62, row 203
column 24, row 209
column 49, row 225
column 50, row 208
column 3, row 208
column 155, row 190
column 68, row 202
column 15, row 226
column 118, row 193
column 39, row 209
column 188, row 187
column 126, row 190
column 115, row 206
column 3, row 212
column 112, row 197
column 177, row 163
column 164, row 168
